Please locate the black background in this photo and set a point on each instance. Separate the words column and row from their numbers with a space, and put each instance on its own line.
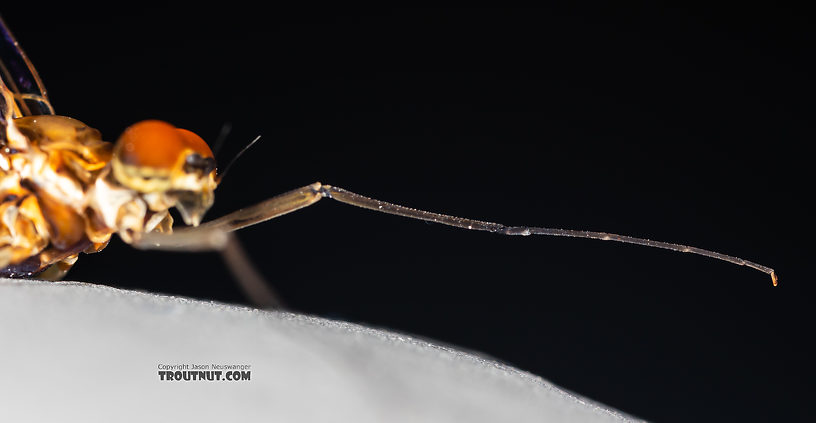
column 672, row 122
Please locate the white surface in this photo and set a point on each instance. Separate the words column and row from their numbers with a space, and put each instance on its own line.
column 81, row 352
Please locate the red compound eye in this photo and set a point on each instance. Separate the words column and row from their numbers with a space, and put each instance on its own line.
column 196, row 143
column 157, row 144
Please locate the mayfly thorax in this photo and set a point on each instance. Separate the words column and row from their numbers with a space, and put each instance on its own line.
column 63, row 190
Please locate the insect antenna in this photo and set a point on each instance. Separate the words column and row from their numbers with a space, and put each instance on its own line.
column 220, row 175
column 222, row 136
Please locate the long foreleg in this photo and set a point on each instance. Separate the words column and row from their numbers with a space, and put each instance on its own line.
column 213, row 235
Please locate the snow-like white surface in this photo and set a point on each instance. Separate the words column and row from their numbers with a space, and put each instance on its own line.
column 81, row 352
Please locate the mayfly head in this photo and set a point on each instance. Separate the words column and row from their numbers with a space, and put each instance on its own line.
column 157, row 159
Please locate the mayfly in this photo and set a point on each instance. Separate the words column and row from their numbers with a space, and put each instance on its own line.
column 63, row 190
